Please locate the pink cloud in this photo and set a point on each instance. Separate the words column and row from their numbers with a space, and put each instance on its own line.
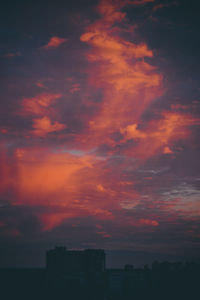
column 40, row 104
column 54, row 42
column 41, row 107
column 129, row 84
column 44, row 126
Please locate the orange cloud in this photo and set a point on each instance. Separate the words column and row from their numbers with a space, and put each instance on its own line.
column 158, row 134
column 158, row 6
column 40, row 84
column 129, row 83
column 75, row 88
column 44, row 126
column 100, row 188
column 39, row 105
column 111, row 11
column 54, row 42
column 44, row 174
column 148, row 222
column 5, row 169
column 167, row 150
column 51, row 220
column 143, row 222
column 67, row 186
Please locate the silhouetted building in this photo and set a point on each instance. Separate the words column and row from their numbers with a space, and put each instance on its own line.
column 81, row 275
column 62, row 261
column 73, row 269
column 119, row 280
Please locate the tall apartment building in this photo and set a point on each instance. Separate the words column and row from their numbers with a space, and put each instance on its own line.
column 63, row 261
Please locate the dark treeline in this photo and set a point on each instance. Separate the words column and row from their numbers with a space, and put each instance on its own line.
column 163, row 280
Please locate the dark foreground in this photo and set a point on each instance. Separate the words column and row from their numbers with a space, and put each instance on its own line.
column 163, row 281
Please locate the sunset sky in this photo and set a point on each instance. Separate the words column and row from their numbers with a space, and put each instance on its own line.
column 99, row 127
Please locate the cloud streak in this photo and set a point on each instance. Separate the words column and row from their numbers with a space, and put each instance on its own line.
column 54, row 42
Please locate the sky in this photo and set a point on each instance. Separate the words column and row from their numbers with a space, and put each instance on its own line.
column 99, row 127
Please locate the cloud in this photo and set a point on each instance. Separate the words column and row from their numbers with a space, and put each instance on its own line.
column 167, row 150
column 149, row 222
column 12, row 54
column 159, row 134
column 39, row 177
column 162, row 5
column 44, row 126
column 4, row 130
column 42, row 107
column 158, row 6
column 54, row 42
column 140, row 2
column 40, row 104
column 129, row 83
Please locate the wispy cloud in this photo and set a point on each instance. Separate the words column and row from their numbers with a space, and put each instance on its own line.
column 54, row 42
